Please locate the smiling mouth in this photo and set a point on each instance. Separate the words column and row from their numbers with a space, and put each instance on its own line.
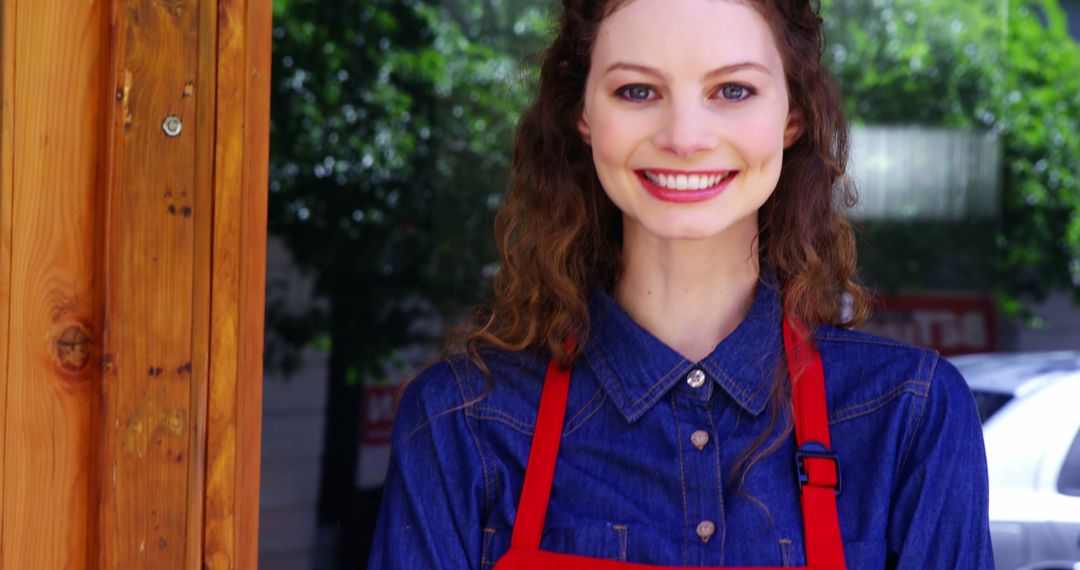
column 688, row 182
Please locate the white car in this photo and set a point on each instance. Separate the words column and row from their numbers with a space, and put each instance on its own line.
column 1030, row 407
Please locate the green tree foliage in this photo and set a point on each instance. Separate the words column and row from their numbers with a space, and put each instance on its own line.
column 1040, row 126
column 1006, row 66
column 391, row 125
column 390, row 137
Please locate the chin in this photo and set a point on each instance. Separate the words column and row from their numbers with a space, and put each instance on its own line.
column 698, row 225
column 687, row 229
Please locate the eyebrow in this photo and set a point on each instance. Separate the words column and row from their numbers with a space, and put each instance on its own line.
column 714, row 73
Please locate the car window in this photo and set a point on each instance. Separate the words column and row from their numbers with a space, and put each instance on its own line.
column 1069, row 479
column 989, row 403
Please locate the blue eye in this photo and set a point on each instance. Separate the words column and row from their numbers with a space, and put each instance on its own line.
column 736, row 92
column 635, row 93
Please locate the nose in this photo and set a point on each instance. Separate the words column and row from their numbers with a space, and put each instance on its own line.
column 687, row 129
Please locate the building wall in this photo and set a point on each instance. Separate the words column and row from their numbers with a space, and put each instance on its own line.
column 294, row 417
column 1061, row 328
column 293, row 422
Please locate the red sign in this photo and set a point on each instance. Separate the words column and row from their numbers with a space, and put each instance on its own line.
column 949, row 323
column 379, row 407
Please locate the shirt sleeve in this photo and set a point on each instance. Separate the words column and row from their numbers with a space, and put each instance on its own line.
column 940, row 515
column 435, row 487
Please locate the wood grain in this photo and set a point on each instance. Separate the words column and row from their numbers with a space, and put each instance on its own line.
column 7, row 74
column 52, row 89
column 220, row 531
column 206, row 101
column 132, row 269
column 149, row 284
column 234, row 413
column 259, row 29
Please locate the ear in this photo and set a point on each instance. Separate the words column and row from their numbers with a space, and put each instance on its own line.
column 796, row 124
column 583, row 127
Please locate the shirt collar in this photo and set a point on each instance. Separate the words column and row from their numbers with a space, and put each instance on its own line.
column 636, row 369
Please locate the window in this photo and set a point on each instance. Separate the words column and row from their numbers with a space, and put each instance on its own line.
column 1069, row 478
column 989, row 403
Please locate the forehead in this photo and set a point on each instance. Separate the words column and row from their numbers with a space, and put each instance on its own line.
column 676, row 34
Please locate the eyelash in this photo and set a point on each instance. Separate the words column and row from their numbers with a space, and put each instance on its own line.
column 747, row 90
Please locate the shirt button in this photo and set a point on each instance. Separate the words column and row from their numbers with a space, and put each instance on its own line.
column 705, row 530
column 695, row 378
column 699, row 438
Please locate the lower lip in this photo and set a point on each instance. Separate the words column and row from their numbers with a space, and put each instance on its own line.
column 684, row 196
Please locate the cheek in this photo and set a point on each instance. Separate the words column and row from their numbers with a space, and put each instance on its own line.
column 613, row 144
column 610, row 137
column 761, row 141
column 763, row 148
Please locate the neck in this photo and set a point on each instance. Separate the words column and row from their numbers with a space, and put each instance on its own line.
column 690, row 294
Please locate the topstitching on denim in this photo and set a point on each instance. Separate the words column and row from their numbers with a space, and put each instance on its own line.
column 637, row 408
column 913, row 387
column 682, row 483
column 752, row 402
column 491, row 474
column 719, row 484
column 573, row 422
column 917, row 414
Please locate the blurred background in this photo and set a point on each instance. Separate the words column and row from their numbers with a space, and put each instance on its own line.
column 392, row 125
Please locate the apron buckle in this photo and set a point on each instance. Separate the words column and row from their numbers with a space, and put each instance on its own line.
column 811, row 467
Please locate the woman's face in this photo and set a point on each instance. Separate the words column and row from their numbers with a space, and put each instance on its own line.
column 686, row 110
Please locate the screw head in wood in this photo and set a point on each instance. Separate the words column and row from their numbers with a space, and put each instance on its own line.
column 172, row 125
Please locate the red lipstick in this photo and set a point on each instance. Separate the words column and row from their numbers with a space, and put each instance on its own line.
column 685, row 196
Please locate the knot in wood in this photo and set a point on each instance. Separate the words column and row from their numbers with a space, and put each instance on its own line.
column 73, row 348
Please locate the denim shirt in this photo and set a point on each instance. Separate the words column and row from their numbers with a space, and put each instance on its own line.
column 630, row 484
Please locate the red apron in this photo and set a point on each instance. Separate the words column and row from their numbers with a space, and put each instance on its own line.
column 817, row 465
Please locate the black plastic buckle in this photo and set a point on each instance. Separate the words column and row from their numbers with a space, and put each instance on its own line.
column 815, row 449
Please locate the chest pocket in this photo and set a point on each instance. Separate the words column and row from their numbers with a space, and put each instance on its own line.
column 604, row 541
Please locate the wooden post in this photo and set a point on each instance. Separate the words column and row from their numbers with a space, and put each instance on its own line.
column 235, row 404
column 51, row 132
column 132, row 260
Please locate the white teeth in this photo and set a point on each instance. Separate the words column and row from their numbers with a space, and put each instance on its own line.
column 686, row 182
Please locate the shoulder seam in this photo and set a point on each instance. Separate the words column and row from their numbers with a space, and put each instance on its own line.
column 921, row 403
column 914, row 387
column 479, row 412
column 864, row 340
column 571, row 425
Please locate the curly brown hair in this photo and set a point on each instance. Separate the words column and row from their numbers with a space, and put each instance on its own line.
column 560, row 236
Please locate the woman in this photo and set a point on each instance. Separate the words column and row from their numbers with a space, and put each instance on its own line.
column 671, row 239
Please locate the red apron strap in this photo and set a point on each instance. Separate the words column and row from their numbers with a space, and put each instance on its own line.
column 818, row 467
column 532, row 507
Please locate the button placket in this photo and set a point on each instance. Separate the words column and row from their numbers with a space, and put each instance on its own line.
column 700, row 470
